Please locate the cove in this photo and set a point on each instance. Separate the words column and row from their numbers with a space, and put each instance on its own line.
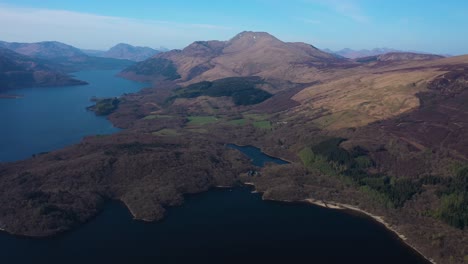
column 45, row 119
column 215, row 227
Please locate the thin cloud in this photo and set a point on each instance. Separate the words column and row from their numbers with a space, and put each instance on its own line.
column 347, row 8
column 86, row 30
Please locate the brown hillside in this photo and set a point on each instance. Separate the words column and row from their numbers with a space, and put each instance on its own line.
column 247, row 54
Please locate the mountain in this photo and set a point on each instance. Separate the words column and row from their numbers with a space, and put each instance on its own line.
column 19, row 71
column 247, row 54
column 399, row 57
column 126, row 52
column 129, row 52
column 64, row 57
column 44, row 50
column 353, row 54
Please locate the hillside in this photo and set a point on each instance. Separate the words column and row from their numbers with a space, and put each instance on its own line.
column 19, row 71
column 247, row 54
column 399, row 57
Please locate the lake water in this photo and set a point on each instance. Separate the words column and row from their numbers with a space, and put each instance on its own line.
column 46, row 119
column 214, row 227
column 257, row 157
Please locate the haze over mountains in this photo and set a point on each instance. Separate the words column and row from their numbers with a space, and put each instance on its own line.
column 18, row 71
column 126, row 51
column 47, row 64
column 354, row 54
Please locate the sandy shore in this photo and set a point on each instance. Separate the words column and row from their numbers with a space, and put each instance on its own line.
column 340, row 206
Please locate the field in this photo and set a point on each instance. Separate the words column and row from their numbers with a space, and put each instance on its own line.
column 201, row 120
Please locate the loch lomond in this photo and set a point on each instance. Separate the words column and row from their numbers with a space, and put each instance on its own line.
column 219, row 226
column 45, row 119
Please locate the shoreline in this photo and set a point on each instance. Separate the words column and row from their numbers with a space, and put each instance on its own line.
column 341, row 206
column 379, row 219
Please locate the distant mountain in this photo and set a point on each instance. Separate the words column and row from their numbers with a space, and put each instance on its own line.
column 354, row 54
column 20, row 71
column 44, row 50
column 247, row 54
column 63, row 57
column 399, row 57
column 126, row 52
column 129, row 52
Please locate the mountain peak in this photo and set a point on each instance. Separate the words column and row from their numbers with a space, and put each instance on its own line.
column 247, row 54
column 130, row 52
column 250, row 39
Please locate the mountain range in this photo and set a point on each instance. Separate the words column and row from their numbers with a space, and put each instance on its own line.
column 125, row 51
column 354, row 54
column 47, row 64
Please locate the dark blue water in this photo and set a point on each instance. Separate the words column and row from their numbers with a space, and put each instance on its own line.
column 216, row 227
column 46, row 119
column 257, row 157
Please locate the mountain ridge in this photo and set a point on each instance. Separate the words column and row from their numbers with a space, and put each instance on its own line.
column 248, row 53
column 63, row 57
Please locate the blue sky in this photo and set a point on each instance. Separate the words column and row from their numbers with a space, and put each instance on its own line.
column 430, row 25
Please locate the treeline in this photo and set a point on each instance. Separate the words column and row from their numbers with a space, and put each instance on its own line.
column 330, row 159
column 242, row 90
column 105, row 106
column 454, row 200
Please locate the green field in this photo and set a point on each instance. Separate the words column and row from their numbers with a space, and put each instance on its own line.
column 151, row 117
column 262, row 124
column 201, row 120
column 238, row 122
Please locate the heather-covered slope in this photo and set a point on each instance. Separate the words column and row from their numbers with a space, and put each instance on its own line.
column 247, row 54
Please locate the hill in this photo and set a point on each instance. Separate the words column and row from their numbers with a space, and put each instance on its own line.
column 19, row 71
column 354, row 54
column 129, row 52
column 44, row 50
column 247, row 54
column 399, row 57
column 63, row 57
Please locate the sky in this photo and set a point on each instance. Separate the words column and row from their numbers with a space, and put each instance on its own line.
column 418, row 25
